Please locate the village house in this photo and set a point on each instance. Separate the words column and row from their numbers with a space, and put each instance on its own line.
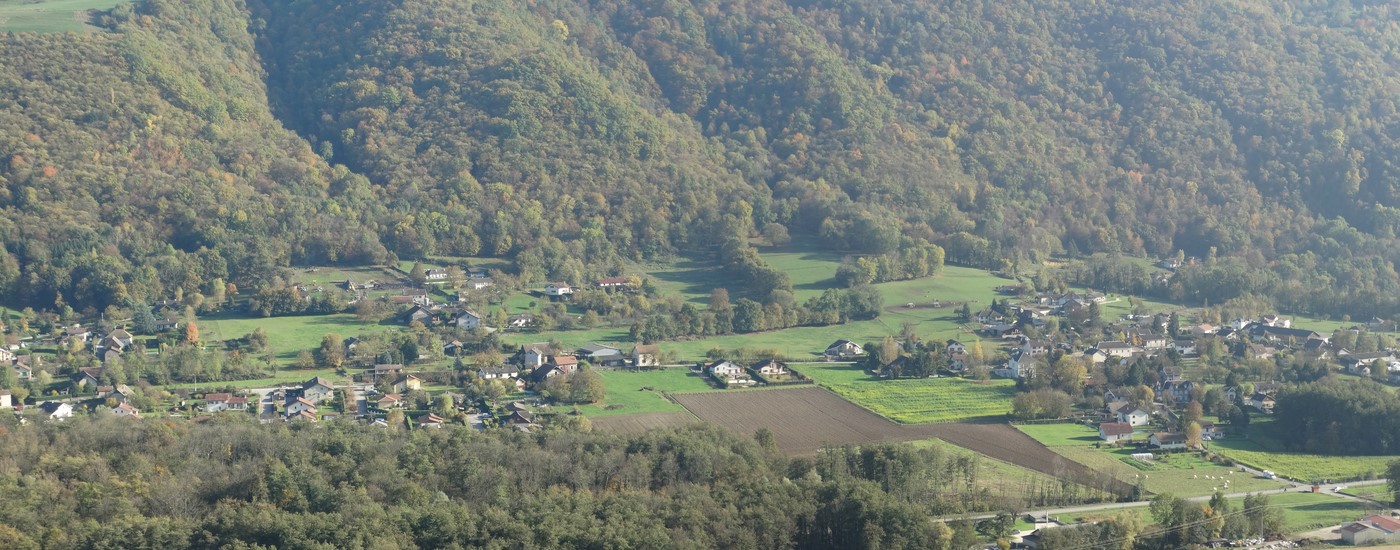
column 558, row 289
column 418, row 313
column 478, row 284
column 75, row 332
column 407, row 383
column 54, row 410
column 1167, row 441
column 988, row 317
column 1134, row 416
column 435, row 276
column 1184, row 347
column 955, row 347
column 1021, row 365
column 1371, row 530
column 520, row 419
column 894, row 368
column 612, row 282
column 522, row 320
column 646, row 355
column 1113, row 432
column 389, row 401
column 218, row 402
column 165, row 323
column 317, row 390
column 85, row 378
column 23, row 372
column 7, row 400
column 120, row 393
column 1179, row 390
column 1115, row 348
column 300, row 405
column 415, row 296
column 468, row 320
column 725, row 370
column 599, row 354
column 1360, row 363
column 492, row 373
column 1202, row 330
column 566, row 364
column 1264, row 402
column 430, row 420
column 126, row 410
column 1210, row 431
column 532, row 355
column 843, row 348
column 1035, row 348
column 770, row 367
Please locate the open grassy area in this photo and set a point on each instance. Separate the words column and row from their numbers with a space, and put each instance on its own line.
column 281, row 377
column 1004, row 478
column 285, row 335
column 915, row 401
column 1305, row 511
column 1263, row 450
column 1302, row 466
column 626, row 395
column 49, row 15
column 1379, row 492
column 1182, row 474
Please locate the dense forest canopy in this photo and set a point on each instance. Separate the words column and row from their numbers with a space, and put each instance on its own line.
column 109, row 482
column 152, row 155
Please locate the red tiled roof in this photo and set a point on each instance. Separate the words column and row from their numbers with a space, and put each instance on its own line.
column 1384, row 522
column 1116, row 428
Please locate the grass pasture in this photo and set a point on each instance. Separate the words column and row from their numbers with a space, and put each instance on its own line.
column 1304, row 511
column 1302, row 466
column 1182, row 474
column 50, row 15
column 287, row 336
column 1003, row 478
column 915, row 401
column 626, row 393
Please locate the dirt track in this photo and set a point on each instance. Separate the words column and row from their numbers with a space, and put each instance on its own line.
column 806, row 419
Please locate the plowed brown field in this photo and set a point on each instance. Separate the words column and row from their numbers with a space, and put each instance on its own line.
column 804, row 420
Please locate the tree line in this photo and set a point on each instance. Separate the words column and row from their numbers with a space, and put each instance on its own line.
column 228, row 482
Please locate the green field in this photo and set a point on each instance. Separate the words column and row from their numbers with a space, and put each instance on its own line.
column 281, row 377
column 287, row 336
column 1004, row 478
column 1062, row 435
column 1301, row 466
column 914, row 401
column 1182, row 474
column 1379, row 492
column 626, row 396
column 49, row 15
column 1306, row 511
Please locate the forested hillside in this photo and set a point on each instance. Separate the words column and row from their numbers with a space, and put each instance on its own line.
column 572, row 136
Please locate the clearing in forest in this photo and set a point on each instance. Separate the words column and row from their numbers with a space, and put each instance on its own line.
column 50, row 15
